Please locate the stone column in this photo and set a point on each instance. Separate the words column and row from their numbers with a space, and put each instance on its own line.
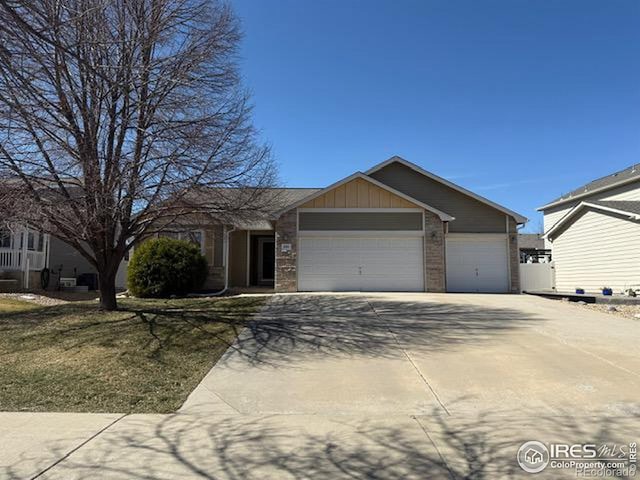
column 286, row 261
column 434, row 252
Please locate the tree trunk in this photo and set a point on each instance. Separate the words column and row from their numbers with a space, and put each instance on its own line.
column 107, row 291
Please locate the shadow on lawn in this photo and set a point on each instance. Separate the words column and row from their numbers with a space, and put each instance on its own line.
column 80, row 325
column 291, row 328
column 311, row 447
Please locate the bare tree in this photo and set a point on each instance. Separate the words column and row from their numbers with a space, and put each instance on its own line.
column 113, row 112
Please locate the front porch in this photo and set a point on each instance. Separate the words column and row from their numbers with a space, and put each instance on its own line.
column 252, row 259
column 24, row 252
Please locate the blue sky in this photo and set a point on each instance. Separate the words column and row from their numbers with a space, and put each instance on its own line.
column 518, row 101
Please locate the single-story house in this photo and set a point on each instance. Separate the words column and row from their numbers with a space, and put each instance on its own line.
column 594, row 234
column 395, row 227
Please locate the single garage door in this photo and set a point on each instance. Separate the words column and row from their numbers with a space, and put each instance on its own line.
column 477, row 263
column 363, row 263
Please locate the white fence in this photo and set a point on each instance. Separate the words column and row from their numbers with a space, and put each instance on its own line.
column 537, row 276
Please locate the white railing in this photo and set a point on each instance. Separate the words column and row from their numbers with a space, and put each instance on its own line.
column 11, row 259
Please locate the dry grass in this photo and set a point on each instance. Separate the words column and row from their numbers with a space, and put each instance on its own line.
column 146, row 357
column 11, row 305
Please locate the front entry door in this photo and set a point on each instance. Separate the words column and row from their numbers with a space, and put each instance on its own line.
column 266, row 259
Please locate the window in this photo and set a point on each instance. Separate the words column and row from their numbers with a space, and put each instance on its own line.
column 31, row 241
column 192, row 236
column 5, row 238
column 41, row 242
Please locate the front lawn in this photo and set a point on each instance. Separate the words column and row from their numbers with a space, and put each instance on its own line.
column 145, row 358
column 12, row 305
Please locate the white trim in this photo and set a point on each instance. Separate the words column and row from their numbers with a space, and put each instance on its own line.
column 519, row 218
column 581, row 206
column 361, row 233
column 260, row 272
column 588, row 193
column 506, row 218
column 443, row 216
column 361, row 210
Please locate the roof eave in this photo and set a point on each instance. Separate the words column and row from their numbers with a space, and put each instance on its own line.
column 581, row 206
column 586, row 194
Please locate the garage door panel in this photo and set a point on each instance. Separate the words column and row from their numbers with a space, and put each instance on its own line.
column 477, row 264
column 360, row 264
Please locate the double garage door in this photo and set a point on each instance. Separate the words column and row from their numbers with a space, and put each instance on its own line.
column 361, row 263
column 474, row 263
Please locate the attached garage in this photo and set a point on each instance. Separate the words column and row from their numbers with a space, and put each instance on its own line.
column 366, row 262
column 396, row 228
column 477, row 263
column 361, row 250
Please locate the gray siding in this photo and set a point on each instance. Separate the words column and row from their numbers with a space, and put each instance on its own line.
column 61, row 253
column 360, row 221
column 471, row 215
column 218, row 246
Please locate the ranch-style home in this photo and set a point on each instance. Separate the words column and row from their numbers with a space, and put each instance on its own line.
column 395, row 227
column 594, row 234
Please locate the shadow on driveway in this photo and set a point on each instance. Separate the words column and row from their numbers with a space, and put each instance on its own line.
column 299, row 327
column 309, row 447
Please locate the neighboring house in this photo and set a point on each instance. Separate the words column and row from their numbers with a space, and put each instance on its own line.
column 594, row 234
column 395, row 227
column 532, row 248
column 25, row 252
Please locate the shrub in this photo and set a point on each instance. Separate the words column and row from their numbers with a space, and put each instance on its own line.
column 162, row 267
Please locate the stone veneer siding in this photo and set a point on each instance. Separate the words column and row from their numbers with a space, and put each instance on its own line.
column 434, row 253
column 286, row 262
column 514, row 256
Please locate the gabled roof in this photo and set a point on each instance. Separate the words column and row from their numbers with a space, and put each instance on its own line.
column 443, row 216
column 630, row 209
column 396, row 159
column 617, row 179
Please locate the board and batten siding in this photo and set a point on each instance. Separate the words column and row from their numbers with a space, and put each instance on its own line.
column 597, row 250
column 358, row 193
column 471, row 215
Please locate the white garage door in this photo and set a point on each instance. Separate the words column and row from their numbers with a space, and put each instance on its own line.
column 360, row 264
column 477, row 263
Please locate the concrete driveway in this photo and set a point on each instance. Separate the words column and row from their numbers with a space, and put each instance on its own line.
column 388, row 386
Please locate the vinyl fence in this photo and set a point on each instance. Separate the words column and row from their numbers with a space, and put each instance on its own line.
column 537, row 276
